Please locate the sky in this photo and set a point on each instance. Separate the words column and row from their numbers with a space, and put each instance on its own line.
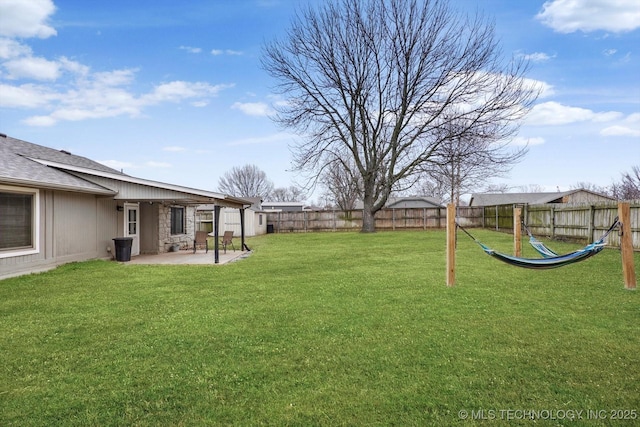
column 174, row 91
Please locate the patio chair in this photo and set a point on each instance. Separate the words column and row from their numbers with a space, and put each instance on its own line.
column 227, row 239
column 201, row 239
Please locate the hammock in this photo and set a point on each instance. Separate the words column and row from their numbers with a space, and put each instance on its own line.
column 550, row 261
column 539, row 246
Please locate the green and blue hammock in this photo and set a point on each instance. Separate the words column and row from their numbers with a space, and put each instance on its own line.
column 550, row 259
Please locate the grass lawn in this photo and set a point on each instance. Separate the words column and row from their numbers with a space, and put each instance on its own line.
column 324, row 329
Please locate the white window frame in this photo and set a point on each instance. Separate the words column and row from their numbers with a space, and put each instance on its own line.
column 35, row 228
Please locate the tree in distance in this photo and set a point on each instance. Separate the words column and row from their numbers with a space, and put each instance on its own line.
column 245, row 181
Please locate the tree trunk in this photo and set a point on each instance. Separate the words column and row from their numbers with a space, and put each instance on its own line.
column 368, row 219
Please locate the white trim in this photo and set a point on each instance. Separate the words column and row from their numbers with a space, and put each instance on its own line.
column 135, row 245
column 35, row 230
column 131, row 179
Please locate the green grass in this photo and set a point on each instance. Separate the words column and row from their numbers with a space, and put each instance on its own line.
column 321, row 329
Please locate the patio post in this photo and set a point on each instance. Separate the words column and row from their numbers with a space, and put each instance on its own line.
column 216, row 234
column 242, row 229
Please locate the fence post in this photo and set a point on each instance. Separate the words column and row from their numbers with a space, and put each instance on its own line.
column 517, row 231
column 592, row 225
column 626, row 246
column 451, row 244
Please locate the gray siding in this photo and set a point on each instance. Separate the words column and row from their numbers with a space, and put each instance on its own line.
column 73, row 227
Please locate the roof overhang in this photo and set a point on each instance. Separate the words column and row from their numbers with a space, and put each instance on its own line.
column 56, row 186
column 185, row 195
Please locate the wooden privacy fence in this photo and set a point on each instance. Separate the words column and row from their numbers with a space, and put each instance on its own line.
column 575, row 222
column 581, row 222
column 386, row 219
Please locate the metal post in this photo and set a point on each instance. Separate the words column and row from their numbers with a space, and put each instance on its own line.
column 216, row 234
column 451, row 244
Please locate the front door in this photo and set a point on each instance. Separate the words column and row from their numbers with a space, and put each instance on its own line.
column 132, row 226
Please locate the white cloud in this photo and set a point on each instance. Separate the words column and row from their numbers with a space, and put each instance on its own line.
column 630, row 126
column 40, row 121
column 609, row 52
column 191, row 49
column 74, row 92
column 618, row 130
column 521, row 141
column 22, row 18
column 99, row 95
column 259, row 109
column 217, row 52
column 31, row 67
column 173, row 148
column 11, row 49
column 567, row 16
column 537, row 56
column 554, row 113
column 179, row 90
column 25, row 96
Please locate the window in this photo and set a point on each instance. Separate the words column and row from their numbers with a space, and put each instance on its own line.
column 177, row 220
column 18, row 221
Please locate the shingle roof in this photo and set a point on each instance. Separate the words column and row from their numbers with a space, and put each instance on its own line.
column 17, row 166
column 24, row 163
column 492, row 199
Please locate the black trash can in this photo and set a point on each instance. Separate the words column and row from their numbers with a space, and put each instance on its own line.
column 269, row 228
column 123, row 248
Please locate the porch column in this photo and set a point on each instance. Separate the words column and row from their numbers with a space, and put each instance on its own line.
column 216, row 234
column 242, row 245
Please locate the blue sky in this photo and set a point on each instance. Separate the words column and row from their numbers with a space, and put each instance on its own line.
column 174, row 91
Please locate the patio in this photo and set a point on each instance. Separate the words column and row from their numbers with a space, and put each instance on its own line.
column 187, row 257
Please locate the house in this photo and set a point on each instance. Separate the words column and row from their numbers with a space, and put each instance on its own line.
column 412, row 202
column 571, row 196
column 255, row 219
column 57, row 207
column 407, row 202
column 283, row 206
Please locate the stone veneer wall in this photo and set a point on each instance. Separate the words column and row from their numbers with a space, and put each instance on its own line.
column 165, row 238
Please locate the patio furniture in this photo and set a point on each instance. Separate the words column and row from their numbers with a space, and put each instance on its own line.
column 201, row 239
column 227, row 239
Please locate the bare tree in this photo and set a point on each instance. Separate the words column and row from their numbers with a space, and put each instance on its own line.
column 342, row 186
column 245, row 181
column 590, row 187
column 287, row 194
column 497, row 188
column 461, row 165
column 629, row 187
column 379, row 81
column 531, row 188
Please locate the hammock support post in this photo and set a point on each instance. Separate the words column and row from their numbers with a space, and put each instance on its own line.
column 451, row 244
column 517, row 231
column 626, row 246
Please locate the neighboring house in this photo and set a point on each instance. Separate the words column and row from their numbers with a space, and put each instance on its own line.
column 283, row 206
column 255, row 220
column 572, row 196
column 412, row 202
column 56, row 207
column 407, row 202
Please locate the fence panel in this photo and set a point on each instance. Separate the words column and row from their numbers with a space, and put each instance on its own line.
column 579, row 222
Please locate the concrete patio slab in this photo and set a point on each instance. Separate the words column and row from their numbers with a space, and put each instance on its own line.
column 187, row 257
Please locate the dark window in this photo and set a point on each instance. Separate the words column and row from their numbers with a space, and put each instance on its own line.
column 177, row 220
column 16, row 221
